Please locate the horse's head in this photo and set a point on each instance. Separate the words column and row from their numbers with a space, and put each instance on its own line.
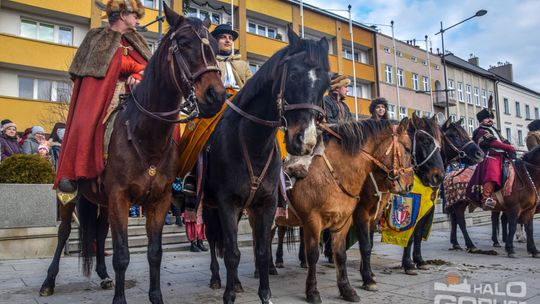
column 457, row 145
column 427, row 137
column 395, row 158
column 192, row 62
column 303, row 79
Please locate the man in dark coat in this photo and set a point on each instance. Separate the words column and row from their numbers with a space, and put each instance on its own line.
column 379, row 108
column 334, row 103
column 488, row 173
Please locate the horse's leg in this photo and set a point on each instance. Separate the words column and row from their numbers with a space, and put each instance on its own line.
column 281, row 230
column 272, row 267
column 340, row 260
column 460, row 216
column 213, row 234
column 101, row 235
column 118, row 219
column 495, row 228
column 418, row 233
column 406, row 261
column 264, row 217
column 512, row 224
column 312, row 232
column 155, row 217
column 504, row 224
column 302, row 254
column 364, row 242
column 66, row 212
column 371, row 235
column 531, row 247
column 229, row 228
column 327, row 240
column 453, row 231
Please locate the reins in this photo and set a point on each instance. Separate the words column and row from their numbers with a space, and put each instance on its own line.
column 430, row 155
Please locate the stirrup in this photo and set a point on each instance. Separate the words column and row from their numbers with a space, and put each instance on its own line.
column 188, row 184
column 66, row 197
column 289, row 181
column 490, row 203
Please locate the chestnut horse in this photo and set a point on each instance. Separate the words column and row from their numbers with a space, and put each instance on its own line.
column 519, row 207
column 243, row 158
column 328, row 195
column 143, row 160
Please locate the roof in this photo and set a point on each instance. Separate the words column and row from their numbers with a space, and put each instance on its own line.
column 333, row 15
column 515, row 84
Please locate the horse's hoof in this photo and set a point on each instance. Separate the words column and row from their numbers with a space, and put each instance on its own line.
column 279, row 265
column 46, row 291
column 374, row 277
column 410, row 272
column 215, row 284
column 273, row 271
column 238, row 287
column 314, row 297
column 422, row 266
column 535, row 255
column 512, row 255
column 456, row 247
column 107, row 284
column 473, row 250
column 303, row 265
column 350, row 296
column 370, row 287
column 497, row 245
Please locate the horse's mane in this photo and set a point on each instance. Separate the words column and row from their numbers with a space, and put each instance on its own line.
column 271, row 69
column 429, row 126
column 531, row 156
column 459, row 129
column 355, row 134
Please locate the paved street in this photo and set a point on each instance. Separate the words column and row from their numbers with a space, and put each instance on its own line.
column 185, row 277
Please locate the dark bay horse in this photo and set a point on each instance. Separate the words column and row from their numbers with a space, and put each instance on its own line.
column 143, row 160
column 243, row 161
column 519, row 207
column 328, row 195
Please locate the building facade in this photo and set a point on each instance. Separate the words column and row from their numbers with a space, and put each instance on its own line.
column 412, row 85
column 38, row 40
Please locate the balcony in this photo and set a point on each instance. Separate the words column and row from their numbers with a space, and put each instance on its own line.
column 263, row 46
column 27, row 112
column 25, row 52
column 363, row 71
column 70, row 7
column 439, row 100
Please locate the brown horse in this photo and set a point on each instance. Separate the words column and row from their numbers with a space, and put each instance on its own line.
column 143, row 160
column 519, row 206
column 328, row 195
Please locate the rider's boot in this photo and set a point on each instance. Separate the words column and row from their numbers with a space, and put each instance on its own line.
column 488, row 202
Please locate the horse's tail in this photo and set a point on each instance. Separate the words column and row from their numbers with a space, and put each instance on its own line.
column 88, row 213
column 290, row 237
column 213, row 230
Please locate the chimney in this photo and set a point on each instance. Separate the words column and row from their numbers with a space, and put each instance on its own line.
column 503, row 70
column 474, row 60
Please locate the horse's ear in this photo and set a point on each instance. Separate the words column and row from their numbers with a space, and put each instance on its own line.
column 460, row 122
column 324, row 44
column 294, row 39
column 447, row 123
column 173, row 19
column 403, row 126
column 207, row 22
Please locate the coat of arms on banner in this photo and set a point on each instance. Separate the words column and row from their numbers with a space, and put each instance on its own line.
column 404, row 212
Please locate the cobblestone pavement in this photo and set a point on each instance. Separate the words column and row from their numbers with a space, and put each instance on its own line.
column 185, row 277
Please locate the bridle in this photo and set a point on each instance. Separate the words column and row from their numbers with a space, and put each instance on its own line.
column 460, row 152
column 281, row 103
column 189, row 106
column 430, row 155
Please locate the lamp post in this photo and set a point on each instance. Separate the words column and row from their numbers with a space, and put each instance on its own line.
column 478, row 14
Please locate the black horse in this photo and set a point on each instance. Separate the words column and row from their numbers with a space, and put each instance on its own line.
column 243, row 161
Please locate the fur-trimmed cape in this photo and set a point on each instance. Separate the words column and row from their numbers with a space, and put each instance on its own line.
column 98, row 48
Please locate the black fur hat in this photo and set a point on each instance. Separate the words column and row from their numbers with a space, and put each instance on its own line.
column 485, row 113
column 374, row 103
column 534, row 125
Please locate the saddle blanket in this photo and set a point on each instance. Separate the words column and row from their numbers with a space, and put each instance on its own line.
column 400, row 218
column 455, row 185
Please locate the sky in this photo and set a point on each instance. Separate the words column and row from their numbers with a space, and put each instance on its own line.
column 510, row 31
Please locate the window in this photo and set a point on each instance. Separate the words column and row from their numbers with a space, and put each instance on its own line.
column 402, row 112
column 460, row 91
column 451, row 88
column 359, row 55
column 476, row 96
column 520, row 137
column 527, row 112
column 518, row 109
column 437, row 67
column 418, row 113
column 202, row 14
column 262, row 30
column 400, row 79
column 399, row 53
column 388, row 73
column 415, row 82
column 254, row 67
column 154, row 3
column 506, row 106
column 509, row 134
column 484, row 98
column 468, row 91
column 387, row 50
column 536, row 113
column 363, row 90
column 471, row 125
column 424, row 62
column 413, row 58
column 425, row 82
column 46, row 32
column 453, row 118
column 490, row 94
column 44, row 89
column 392, row 111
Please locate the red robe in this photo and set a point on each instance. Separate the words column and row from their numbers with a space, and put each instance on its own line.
column 82, row 147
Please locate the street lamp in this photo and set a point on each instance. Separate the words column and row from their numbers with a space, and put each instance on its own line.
column 478, row 14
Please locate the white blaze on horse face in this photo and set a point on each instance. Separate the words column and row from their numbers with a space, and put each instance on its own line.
column 313, row 77
column 310, row 137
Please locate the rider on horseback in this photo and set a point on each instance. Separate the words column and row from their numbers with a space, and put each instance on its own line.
column 488, row 174
column 108, row 63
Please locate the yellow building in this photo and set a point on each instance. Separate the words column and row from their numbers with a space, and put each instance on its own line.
column 38, row 39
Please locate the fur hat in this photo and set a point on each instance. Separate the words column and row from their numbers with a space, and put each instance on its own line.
column 374, row 103
column 6, row 123
column 224, row 29
column 338, row 81
column 128, row 6
column 534, row 125
column 486, row 113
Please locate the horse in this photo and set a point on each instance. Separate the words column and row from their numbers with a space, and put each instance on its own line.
column 519, row 206
column 328, row 195
column 182, row 75
column 243, row 160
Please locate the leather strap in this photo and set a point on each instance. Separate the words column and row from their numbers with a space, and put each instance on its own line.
column 336, row 178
